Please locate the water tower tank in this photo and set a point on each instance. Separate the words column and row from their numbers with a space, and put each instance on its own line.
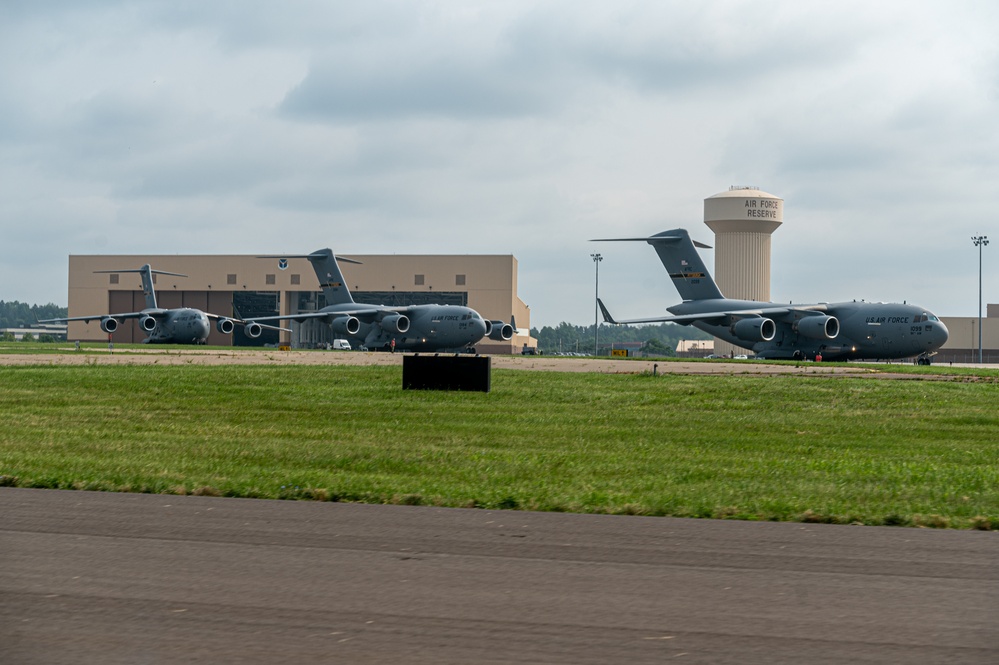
column 743, row 218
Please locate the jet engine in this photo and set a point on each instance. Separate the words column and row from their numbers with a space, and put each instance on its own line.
column 349, row 325
column 394, row 323
column 757, row 329
column 225, row 326
column 253, row 330
column 499, row 331
column 818, row 327
column 109, row 324
column 148, row 323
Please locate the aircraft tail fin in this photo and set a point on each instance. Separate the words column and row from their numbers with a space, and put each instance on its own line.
column 148, row 289
column 679, row 256
column 331, row 280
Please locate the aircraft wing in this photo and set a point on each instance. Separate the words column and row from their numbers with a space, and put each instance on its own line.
column 363, row 313
column 684, row 319
column 155, row 313
column 239, row 321
column 303, row 316
column 719, row 316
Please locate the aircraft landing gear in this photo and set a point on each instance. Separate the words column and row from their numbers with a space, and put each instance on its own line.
column 923, row 360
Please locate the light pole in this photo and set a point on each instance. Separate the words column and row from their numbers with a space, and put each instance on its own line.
column 596, row 266
column 980, row 241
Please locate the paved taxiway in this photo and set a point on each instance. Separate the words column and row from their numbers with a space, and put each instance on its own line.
column 125, row 578
column 154, row 355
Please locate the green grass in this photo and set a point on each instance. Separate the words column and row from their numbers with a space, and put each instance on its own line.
column 741, row 446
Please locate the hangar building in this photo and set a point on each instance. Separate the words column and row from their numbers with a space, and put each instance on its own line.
column 962, row 346
column 223, row 284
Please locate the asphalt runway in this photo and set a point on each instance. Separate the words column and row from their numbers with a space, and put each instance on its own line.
column 91, row 577
column 157, row 355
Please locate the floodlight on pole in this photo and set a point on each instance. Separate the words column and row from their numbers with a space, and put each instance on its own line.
column 596, row 322
column 980, row 241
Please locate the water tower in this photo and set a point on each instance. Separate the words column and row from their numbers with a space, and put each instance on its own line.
column 743, row 218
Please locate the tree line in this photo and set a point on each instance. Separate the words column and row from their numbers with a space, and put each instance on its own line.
column 14, row 314
column 658, row 339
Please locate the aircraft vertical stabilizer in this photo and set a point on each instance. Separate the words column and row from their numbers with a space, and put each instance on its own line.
column 148, row 290
column 330, row 278
column 147, row 273
column 689, row 274
column 680, row 258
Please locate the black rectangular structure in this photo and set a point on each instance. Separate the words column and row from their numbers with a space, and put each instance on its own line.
column 446, row 373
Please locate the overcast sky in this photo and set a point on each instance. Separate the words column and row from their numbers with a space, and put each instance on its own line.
column 524, row 128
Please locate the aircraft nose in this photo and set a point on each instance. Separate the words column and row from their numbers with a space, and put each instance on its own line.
column 942, row 333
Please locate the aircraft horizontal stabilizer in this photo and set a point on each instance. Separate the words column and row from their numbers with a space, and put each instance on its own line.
column 314, row 255
column 151, row 271
column 652, row 240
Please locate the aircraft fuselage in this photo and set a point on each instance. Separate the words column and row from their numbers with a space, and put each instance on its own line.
column 431, row 327
column 179, row 326
column 867, row 331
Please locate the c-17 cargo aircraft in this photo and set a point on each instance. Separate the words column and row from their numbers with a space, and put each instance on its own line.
column 412, row 327
column 836, row 331
column 181, row 325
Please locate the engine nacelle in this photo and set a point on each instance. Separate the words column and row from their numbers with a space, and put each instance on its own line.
column 148, row 323
column 818, row 327
column 109, row 324
column 253, row 330
column 499, row 331
column 395, row 323
column 225, row 326
column 757, row 329
column 347, row 325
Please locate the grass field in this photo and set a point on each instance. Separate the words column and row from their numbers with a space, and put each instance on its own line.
column 793, row 448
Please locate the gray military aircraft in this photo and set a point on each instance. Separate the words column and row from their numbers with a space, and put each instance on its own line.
column 413, row 327
column 182, row 325
column 836, row 331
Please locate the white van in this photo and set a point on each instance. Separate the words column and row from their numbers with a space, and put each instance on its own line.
column 341, row 345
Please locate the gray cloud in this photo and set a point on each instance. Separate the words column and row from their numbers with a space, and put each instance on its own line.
column 443, row 88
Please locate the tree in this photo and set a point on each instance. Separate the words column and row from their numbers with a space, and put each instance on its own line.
column 27, row 337
column 14, row 314
column 567, row 338
column 655, row 347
